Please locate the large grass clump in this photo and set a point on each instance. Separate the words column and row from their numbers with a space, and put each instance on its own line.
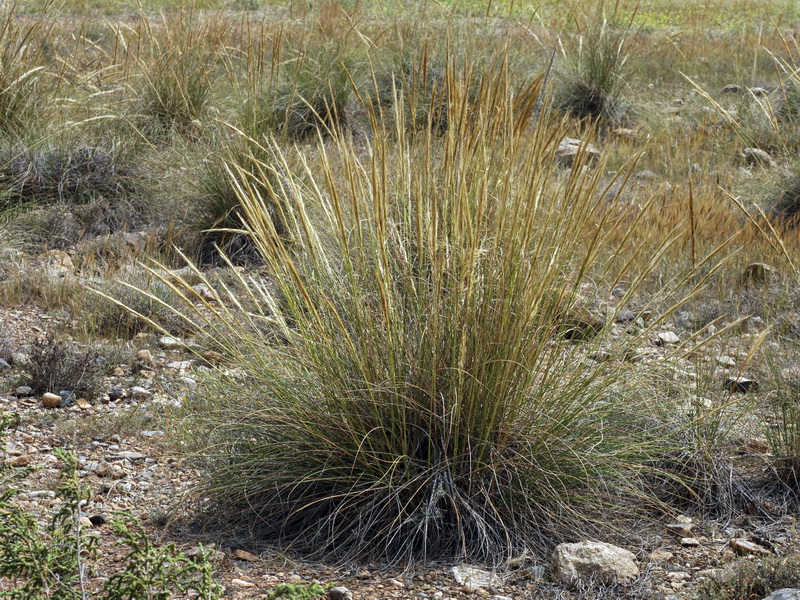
column 418, row 381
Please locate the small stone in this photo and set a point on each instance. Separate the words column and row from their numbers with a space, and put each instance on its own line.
column 758, row 273
column 23, row 391
column 145, row 357
column 140, row 393
column 746, row 548
column 4, row 365
column 759, row 91
column 152, row 433
column 50, row 400
column 245, row 555
column 681, row 530
column 340, row 593
column 600, row 356
column 396, row 583
column 646, row 175
column 116, row 393
column 732, row 88
column 725, row 361
column 242, row 583
column 294, row 578
column 755, row 157
column 83, row 403
column 474, row 578
column 85, row 521
column 690, row 542
column 98, row 520
column 666, row 337
column 741, row 385
column 19, row 461
column 169, row 343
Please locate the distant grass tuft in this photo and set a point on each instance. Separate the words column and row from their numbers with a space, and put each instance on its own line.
column 593, row 81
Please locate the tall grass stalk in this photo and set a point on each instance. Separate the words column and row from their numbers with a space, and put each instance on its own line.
column 407, row 389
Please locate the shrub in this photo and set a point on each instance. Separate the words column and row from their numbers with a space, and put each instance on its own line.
column 46, row 562
column 57, row 365
column 408, row 390
column 416, row 87
column 176, row 76
column 745, row 579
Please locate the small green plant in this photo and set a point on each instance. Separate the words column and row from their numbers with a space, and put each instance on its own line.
column 746, row 579
column 158, row 573
column 54, row 561
column 297, row 591
column 50, row 561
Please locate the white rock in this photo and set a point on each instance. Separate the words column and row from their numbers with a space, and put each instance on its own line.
column 182, row 365
column 140, row 393
column 340, row 593
column 784, row 594
column 473, row 578
column 569, row 148
column 667, row 337
column 726, row 361
column 755, row 157
column 169, row 343
column 581, row 563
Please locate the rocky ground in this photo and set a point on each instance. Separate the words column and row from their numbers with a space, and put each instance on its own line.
column 129, row 461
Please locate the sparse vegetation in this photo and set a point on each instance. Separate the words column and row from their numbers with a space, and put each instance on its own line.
column 54, row 560
column 746, row 578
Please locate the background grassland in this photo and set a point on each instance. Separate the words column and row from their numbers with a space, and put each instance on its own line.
column 417, row 292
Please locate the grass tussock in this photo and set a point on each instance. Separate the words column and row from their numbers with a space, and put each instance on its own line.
column 593, row 81
column 411, row 392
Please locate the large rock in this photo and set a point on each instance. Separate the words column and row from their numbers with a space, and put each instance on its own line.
column 585, row 562
column 785, row 594
column 569, row 148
